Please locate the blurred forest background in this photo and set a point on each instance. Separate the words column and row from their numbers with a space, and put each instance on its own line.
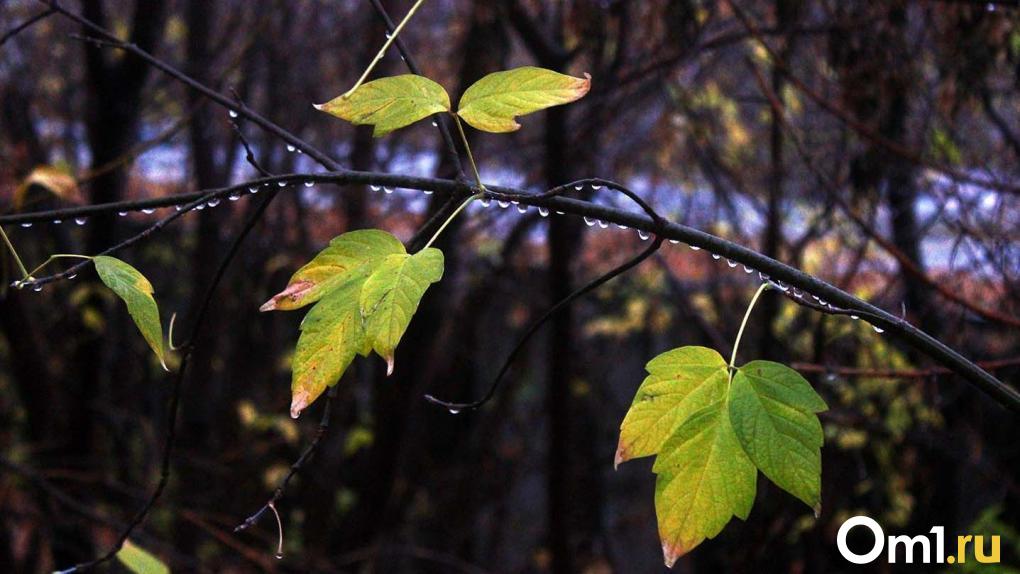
column 878, row 147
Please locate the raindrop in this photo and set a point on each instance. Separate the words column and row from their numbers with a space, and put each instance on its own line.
column 854, row 317
column 232, row 113
column 72, row 276
column 291, row 148
column 309, row 184
column 374, row 187
column 731, row 263
column 589, row 221
column 148, row 211
column 822, row 303
column 278, row 555
column 253, row 189
column 694, row 247
column 559, row 212
column 522, row 208
column 543, row 211
column 57, row 221
column 716, row 256
column 503, row 204
column 643, row 235
column 748, row 269
column 878, row 329
column 485, row 201
column 675, row 241
column 37, row 288
column 579, row 187
column 596, row 187
column 122, row 213
column 26, row 225
column 214, row 202
column 797, row 294
column 764, row 277
column 234, row 196
column 178, row 207
column 515, row 202
column 428, row 192
column 435, row 124
column 603, row 224
column 200, row 206
column 782, row 286
column 454, row 411
column 387, row 190
column 281, row 184
column 80, row 220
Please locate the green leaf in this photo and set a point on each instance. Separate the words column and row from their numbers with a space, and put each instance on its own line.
column 773, row 412
column 391, row 296
column 333, row 266
column 136, row 291
column 139, row 561
column 704, row 478
column 390, row 103
column 710, row 433
column 679, row 382
column 492, row 103
column 331, row 335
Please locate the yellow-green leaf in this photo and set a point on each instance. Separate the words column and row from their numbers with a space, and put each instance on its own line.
column 492, row 103
column 331, row 335
column 56, row 180
column 679, row 382
column 391, row 295
column 773, row 412
column 390, row 103
column 333, row 266
column 704, row 479
column 139, row 561
column 136, row 291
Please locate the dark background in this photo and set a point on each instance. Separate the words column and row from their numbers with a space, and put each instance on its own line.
column 895, row 112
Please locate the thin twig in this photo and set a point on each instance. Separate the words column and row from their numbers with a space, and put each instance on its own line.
column 25, row 25
column 306, row 455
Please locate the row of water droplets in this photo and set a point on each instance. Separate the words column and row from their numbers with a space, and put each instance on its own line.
column 644, row 236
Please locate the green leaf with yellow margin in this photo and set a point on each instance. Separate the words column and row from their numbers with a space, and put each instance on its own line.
column 710, row 433
column 773, row 410
column 390, row 103
column 136, row 291
column 679, row 382
column 703, row 479
column 140, row 561
column 392, row 294
column 492, row 103
column 333, row 266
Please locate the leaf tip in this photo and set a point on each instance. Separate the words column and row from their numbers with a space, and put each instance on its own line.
column 390, row 363
column 292, row 294
column 299, row 403
column 621, row 456
column 671, row 553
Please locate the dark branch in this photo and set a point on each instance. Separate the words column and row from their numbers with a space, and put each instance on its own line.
column 628, row 265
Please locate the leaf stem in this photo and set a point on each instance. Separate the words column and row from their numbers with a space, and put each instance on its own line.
column 740, row 333
column 53, row 258
column 467, row 148
column 14, row 252
column 382, row 51
column 453, row 216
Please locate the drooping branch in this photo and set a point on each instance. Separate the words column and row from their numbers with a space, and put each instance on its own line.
column 178, row 386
